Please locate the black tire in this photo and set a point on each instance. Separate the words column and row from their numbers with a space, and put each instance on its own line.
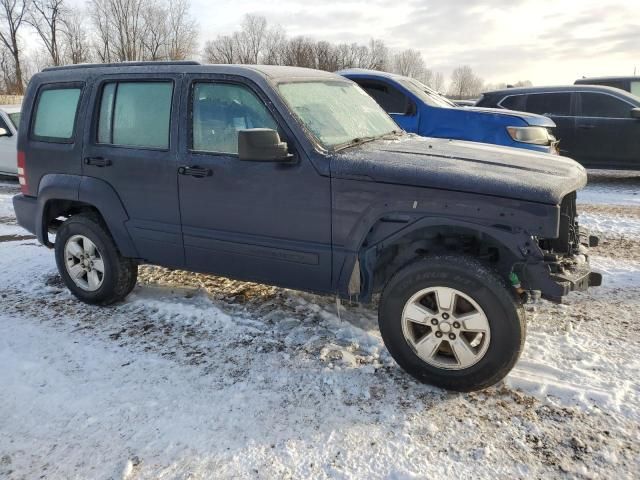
column 503, row 311
column 120, row 273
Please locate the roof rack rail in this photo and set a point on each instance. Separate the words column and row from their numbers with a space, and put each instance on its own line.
column 120, row 64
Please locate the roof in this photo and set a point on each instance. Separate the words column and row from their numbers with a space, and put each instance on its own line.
column 364, row 71
column 265, row 71
column 566, row 88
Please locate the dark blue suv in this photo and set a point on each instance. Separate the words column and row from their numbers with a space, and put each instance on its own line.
column 418, row 109
column 297, row 178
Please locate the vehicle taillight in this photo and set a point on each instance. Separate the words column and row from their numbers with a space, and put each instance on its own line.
column 22, row 174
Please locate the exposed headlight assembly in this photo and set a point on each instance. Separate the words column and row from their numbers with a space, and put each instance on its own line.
column 534, row 135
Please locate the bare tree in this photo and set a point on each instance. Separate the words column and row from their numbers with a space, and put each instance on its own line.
column 76, row 44
column 438, row 82
column 378, row 55
column 409, row 63
column 156, row 34
column 12, row 14
column 221, row 50
column 46, row 17
column 251, row 38
column 274, row 46
column 182, row 31
column 465, row 83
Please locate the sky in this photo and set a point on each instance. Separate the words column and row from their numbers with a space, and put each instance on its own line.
column 545, row 41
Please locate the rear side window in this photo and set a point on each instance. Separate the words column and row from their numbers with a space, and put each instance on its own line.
column 635, row 88
column 549, row 103
column 135, row 114
column 55, row 115
column 605, row 106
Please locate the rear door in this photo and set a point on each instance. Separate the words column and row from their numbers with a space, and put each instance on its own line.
column 606, row 135
column 133, row 147
column 559, row 106
column 252, row 220
column 394, row 101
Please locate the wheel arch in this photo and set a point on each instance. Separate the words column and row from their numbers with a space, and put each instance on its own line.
column 66, row 195
column 381, row 253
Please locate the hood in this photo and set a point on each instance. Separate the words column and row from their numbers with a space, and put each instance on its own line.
column 531, row 118
column 462, row 166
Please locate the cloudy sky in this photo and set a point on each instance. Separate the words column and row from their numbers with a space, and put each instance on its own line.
column 545, row 41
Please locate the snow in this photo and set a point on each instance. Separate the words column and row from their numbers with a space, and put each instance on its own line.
column 199, row 377
column 611, row 188
column 611, row 224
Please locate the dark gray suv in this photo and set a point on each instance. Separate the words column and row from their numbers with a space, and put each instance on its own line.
column 297, row 178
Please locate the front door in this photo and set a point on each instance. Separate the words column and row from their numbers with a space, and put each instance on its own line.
column 133, row 147
column 607, row 136
column 251, row 220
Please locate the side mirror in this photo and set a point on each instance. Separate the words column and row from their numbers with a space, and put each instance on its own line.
column 411, row 108
column 4, row 132
column 635, row 113
column 262, row 145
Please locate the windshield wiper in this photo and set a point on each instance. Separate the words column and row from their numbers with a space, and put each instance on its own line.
column 362, row 140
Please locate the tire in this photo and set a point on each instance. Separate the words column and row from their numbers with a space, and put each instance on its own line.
column 119, row 274
column 482, row 301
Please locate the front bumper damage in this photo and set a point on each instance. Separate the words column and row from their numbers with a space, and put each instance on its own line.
column 561, row 265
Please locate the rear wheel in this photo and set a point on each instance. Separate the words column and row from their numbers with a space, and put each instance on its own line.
column 89, row 262
column 452, row 322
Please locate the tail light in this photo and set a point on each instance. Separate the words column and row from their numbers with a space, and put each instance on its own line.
column 22, row 173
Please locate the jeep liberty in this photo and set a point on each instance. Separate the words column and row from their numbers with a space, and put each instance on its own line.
column 297, row 178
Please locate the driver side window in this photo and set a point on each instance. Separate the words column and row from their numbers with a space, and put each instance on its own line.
column 220, row 110
column 389, row 98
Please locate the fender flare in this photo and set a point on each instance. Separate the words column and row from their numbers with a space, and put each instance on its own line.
column 92, row 192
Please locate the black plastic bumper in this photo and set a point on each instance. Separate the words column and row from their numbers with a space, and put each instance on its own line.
column 26, row 212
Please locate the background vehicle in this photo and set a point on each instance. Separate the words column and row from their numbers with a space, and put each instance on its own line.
column 418, row 109
column 9, row 118
column 295, row 177
column 597, row 126
column 629, row 84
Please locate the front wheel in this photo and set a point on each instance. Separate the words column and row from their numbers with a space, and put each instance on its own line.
column 452, row 322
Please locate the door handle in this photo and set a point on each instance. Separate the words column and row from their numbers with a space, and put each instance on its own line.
column 195, row 171
column 587, row 127
column 97, row 161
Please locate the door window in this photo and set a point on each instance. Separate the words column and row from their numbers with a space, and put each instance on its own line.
column 605, row 106
column 135, row 114
column 549, row 103
column 55, row 116
column 220, row 110
column 514, row 102
column 390, row 99
column 635, row 88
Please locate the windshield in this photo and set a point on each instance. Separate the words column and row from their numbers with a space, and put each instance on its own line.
column 424, row 93
column 15, row 119
column 337, row 113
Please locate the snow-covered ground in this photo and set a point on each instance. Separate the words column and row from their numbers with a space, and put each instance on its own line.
column 203, row 377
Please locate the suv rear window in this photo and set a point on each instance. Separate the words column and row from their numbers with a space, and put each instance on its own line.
column 55, row 116
column 135, row 114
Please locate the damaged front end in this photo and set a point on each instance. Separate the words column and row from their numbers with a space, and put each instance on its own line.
column 560, row 265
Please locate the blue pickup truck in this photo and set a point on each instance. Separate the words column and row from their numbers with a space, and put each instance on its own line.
column 418, row 109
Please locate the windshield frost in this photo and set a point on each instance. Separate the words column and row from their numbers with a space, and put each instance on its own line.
column 337, row 113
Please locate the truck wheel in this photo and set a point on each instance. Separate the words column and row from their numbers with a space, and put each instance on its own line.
column 452, row 322
column 89, row 261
